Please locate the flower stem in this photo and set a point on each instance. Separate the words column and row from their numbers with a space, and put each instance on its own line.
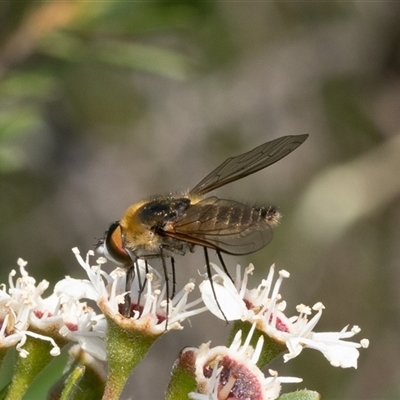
column 183, row 377
column 27, row 368
column 271, row 348
column 3, row 352
column 125, row 349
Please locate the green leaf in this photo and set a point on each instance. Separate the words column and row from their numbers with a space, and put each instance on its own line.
column 147, row 58
column 72, row 384
column 301, row 395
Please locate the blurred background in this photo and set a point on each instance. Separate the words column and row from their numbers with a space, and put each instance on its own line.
column 105, row 103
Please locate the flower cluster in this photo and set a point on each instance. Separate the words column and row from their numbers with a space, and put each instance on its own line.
column 123, row 337
column 56, row 319
column 264, row 307
column 148, row 303
column 231, row 372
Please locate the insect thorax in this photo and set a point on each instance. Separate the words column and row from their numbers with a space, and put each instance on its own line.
column 155, row 213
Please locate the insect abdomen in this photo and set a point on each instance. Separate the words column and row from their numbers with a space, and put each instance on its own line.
column 269, row 214
column 245, row 215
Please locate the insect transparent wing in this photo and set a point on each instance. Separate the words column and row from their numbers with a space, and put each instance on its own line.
column 238, row 167
column 225, row 225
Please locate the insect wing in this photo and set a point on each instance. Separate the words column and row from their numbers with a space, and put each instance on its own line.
column 238, row 167
column 225, row 225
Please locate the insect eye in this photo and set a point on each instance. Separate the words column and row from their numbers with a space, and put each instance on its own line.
column 114, row 247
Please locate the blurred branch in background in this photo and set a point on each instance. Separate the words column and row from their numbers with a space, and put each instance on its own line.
column 38, row 22
column 104, row 103
column 342, row 195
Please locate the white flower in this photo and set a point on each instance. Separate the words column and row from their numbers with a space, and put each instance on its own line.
column 76, row 322
column 148, row 304
column 264, row 306
column 230, row 300
column 60, row 317
column 232, row 372
column 16, row 309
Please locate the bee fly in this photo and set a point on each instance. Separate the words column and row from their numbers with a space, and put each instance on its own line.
column 162, row 226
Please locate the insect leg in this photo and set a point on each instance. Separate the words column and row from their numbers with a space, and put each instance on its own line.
column 173, row 277
column 221, row 260
column 209, row 275
column 130, row 274
column 141, row 284
column 165, row 270
column 146, row 264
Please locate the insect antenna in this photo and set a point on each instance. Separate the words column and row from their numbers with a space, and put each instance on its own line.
column 209, row 275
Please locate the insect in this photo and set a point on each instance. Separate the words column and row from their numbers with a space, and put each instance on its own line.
column 162, row 226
